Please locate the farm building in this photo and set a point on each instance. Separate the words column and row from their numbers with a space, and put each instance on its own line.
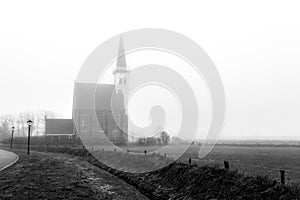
column 58, row 130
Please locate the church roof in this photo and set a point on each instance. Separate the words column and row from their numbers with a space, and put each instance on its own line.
column 90, row 96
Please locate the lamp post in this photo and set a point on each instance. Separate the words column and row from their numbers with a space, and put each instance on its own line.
column 29, row 123
column 12, row 136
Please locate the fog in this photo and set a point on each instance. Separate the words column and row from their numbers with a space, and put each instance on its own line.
column 255, row 47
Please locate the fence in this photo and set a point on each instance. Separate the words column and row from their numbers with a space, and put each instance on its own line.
column 285, row 176
column 281, row 175
column 43, row 140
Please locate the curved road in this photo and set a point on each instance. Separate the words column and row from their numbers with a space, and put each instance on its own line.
column 7, row 158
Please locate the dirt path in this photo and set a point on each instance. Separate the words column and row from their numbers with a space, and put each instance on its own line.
column 59, row 176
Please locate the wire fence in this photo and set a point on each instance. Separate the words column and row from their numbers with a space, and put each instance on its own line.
column 290, row 175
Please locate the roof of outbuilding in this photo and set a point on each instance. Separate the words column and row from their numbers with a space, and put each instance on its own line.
column 59, row 127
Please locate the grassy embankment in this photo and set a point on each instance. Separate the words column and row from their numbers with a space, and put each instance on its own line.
column 61, row 176
column 184, row 181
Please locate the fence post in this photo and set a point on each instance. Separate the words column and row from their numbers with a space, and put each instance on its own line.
column 190, row 161
column 282, row 178
column 226, row 164
column 165, row 155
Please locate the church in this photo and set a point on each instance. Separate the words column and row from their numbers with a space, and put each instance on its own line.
column 92, row 115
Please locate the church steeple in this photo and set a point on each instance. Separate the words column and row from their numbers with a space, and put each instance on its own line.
column 121, row 73
column 121, row 62
column 121, row 66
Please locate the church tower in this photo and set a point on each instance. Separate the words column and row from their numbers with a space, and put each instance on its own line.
column 121, row 74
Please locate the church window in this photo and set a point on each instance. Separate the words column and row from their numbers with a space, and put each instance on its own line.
column 84, row 122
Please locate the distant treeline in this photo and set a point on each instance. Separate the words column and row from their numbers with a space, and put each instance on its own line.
column 163, row 139
column 19, row 121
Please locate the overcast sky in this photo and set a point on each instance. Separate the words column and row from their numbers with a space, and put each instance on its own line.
column 255, row 47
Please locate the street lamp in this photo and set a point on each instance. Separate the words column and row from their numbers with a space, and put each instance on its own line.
column 29, row 123
column 12, row 136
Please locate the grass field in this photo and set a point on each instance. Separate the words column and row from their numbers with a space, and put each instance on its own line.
column 249, row 160
column 254, row 160
column 191, row 181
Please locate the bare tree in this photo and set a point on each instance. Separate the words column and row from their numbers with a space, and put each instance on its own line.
column 165, row 138
column 20, row 122
column 6, row 122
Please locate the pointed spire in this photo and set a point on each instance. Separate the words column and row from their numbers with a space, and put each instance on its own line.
column 121, row 62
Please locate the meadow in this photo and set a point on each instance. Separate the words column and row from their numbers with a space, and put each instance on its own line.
column 197, row 180
column 254, row 160
column 248, row 160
